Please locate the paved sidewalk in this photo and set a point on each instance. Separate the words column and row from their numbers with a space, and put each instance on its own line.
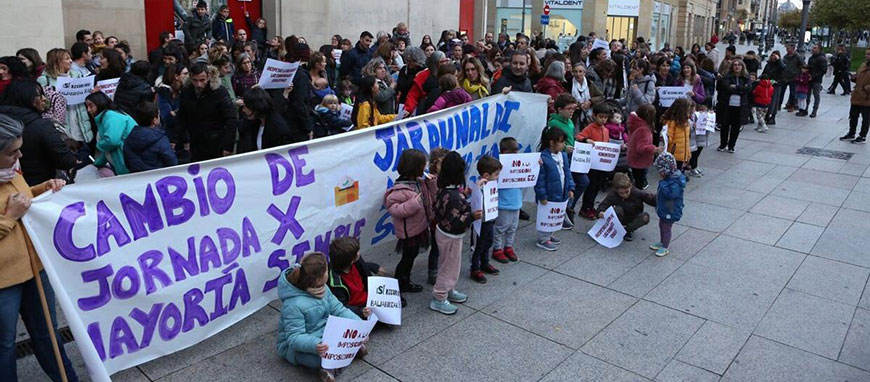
column 766, row 281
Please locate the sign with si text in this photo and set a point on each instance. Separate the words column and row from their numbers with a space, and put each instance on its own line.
column 384, row 299
column 75, row 90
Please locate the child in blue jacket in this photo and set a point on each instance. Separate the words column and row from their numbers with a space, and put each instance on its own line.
column 306, row 305
column 669, row 200
column 510, row 200
column 555, row 183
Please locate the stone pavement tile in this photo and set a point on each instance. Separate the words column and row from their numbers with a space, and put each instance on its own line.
column 479, row 348
column 646, row 275
column 713, row 193
column 780, row 158
column 729, row 254
column 759, row 228
column 800, row 237
column 822, row 178
column 765, row 360
column 855, row 350
column 863, row 185
column 687, row 245
column 830, row 279
column 818, row 214
column 677, row 371
column 418, row 324
column 589, row 369
column 30, row 371
column 764, row 185
column 781, row 172
column 841, row 240
column 718, row 160
column 811, row 192
column 373, row 375
column 824, row 164
column 543, row 306
column 861, row 158
column 734, row 299
column 743, row 174
column 709, row 217
column 780, row 207
column 644, row 339
column 263, row 321
column 858, row 201
column 601, row 266
column 713, row 347
column 574, row 242
column 865, row 297
column 513, row 278
column 254, row 359
column 807, row 322
column 853, row 169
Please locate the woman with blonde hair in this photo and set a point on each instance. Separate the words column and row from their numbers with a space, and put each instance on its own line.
column 473, row 78
column 77, row 124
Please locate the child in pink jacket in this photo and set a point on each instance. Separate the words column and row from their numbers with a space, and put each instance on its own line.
column 451, row 94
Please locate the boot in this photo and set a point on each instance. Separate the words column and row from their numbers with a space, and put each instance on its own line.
column 406, row 286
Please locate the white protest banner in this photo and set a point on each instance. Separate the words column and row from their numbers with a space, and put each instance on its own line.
column 608, row 231
column 336, row 55
column 519, row 170
column 599, row 43
column 604, row 156
column 669, row 94
column 705, row 122
column 345, row 111
column 344, row 337
column 384, row 299
column 108, row 87
column 147, row 264
column 277, row 74
column 581, row 159
column 75, row 90
column 550, row 216
column 490, row 201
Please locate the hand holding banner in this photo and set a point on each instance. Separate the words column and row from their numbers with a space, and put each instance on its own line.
column 608, row 231
column 604, row 156
column 344, row 337
column 384, row 299
column 75, row 90
column 277, row 74
column 581, row 159
column 550, row 216
column 519, row 170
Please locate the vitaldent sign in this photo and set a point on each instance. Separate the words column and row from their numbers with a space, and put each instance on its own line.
column 623, row 8
column 554, row 4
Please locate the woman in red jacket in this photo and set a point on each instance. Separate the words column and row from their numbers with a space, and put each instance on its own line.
column 417, row 92
column 641, row 150
column 552, row 83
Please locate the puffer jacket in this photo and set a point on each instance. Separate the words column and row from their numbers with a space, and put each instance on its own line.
column 669, row 198
column 452, row 98
column 303, row 318
column 644, row 94
column 131, row 91
column 411, row 214
column 549, row 186
column 861, row 93
column 763, row 93
column 223, row 29
column 641, row 150
column 818, row 64
column 147, row 148
column 678, row 141
column 112, row 130
column 43, row 148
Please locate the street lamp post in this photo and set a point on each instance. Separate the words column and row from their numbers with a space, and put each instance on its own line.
column 805, row 15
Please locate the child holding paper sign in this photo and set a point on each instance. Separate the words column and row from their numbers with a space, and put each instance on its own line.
column 349, row 273
column 554, row 181
column 594, row 132
column 488, row 168
column 627, row 202
column 669, row 200
column 306, row 304
column 510, row 200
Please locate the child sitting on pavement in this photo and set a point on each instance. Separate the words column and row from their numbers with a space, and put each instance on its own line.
column 349, row 274
column 627, row 201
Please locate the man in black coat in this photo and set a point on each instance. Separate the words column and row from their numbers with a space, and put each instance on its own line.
column 207, row 118
column 355, row 59
column 516, row 77
column 841, row 64
column 197, row 27
column 818, row 64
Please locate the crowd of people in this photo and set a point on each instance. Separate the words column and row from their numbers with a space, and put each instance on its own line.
column 198, row 99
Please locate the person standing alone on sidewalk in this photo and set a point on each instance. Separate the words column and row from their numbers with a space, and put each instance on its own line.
column 818, row 64
column 860, row 103
column 841, row 64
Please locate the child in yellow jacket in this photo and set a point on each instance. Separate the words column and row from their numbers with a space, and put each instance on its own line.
column 677, row 121
column 365, row 111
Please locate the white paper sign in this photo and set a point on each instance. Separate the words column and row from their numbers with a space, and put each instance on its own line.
column 336, row 55
column 519, row 170
column 345, row 112
column 608, row 231
column 599, row 43
column 476, row 201
column 108, row 87
column 490, row 201
column 581, row 159
column 277, row 74
column 75, row 90
column 669, row 94
column 401, row 113
column 344, row 336
column 604, row 156
column 384, row 299
column 550, row 216
column 705, row 122
column 179, row 35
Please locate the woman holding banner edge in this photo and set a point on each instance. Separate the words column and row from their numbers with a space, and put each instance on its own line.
column 19, row 290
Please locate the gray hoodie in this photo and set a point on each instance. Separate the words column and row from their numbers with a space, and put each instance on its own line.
column 644, row 94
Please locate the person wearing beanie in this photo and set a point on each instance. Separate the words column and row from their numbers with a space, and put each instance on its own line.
column 669, row 200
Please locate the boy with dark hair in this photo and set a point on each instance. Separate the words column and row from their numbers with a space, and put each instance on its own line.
column 348, row 275
column 489, row 169
column 147, row 146
column 510, row 200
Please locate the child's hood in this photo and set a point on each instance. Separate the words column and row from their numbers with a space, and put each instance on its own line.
column 400, row 187
column 286, row 290
column 635, row 122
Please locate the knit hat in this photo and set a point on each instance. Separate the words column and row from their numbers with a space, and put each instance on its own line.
column 666, row 164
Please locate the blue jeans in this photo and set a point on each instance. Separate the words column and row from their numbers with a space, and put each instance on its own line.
column 23, row 299
column 581, row 181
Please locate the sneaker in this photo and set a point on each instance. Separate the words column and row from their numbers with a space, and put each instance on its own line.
column 720, row 148
column 442, row 306
column 589, row 214
column 509, row 253
column 700, row 171
column 457, row 297
column 741, row 127
column 661, row 252
column 567, row 225
column 555, row 240
column 831, row 92
column 406, row 286
column 478, row 276
column 694, row 173
column 764, row 129
column 498, row 255
column 731, row 151
column 628, row 237
column 488, row 268
column 859, row 140
column 326, row 375
column 847, row 137
column 813, row 115
column 546, row 245
column 655, row 246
